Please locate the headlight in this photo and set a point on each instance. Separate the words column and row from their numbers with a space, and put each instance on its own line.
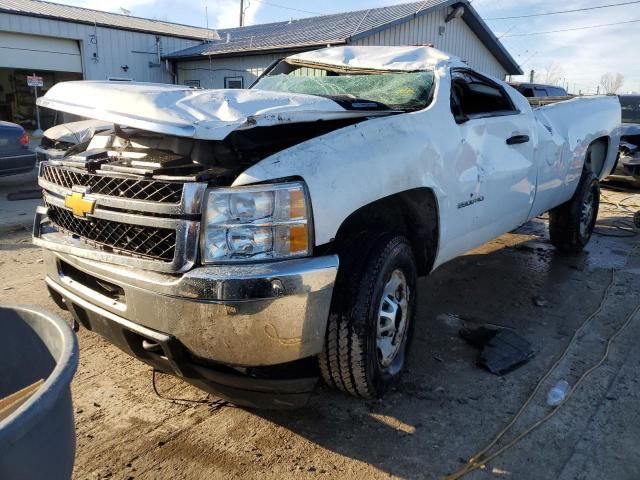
column 253, row 223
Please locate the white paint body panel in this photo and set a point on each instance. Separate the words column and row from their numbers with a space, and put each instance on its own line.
column 76, row 132
column 187, row 112
column 565, row 131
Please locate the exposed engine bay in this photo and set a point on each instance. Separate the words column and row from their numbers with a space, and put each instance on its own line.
column 140, row 153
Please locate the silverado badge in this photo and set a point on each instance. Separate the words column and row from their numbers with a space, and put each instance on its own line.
column 79, row 205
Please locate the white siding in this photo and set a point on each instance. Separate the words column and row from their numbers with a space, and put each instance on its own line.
column 211, row 74
column 114, row 48
column 457, row 39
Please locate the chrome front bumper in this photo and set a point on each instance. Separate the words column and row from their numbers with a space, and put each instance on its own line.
column 240, row 315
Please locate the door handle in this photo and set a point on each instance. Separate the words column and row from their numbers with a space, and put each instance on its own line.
column 516, row 139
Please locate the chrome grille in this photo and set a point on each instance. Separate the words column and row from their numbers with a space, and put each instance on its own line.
column 137, row 240
column 134, row 189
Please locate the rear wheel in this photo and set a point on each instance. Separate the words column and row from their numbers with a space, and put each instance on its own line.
column 371, row 321
column 571, row 224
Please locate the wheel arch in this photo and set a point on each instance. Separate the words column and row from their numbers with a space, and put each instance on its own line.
column 413, row 213
column 596, row 155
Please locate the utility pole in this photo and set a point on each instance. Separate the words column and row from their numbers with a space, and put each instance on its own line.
column 241, row 13
column 532, row 75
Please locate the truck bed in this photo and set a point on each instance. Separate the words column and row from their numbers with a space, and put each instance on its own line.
column 536, row 102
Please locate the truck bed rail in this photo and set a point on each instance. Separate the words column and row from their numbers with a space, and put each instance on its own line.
column 542, row 101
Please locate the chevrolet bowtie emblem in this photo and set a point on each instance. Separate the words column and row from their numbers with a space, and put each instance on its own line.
column 79, row 205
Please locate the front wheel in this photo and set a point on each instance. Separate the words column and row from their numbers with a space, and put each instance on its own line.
column 572, row 223
column 371, row 321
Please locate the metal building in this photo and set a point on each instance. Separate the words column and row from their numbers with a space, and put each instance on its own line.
column 242, row 54
column 59, row 42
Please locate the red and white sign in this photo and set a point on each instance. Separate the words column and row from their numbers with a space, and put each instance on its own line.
column 34, row 81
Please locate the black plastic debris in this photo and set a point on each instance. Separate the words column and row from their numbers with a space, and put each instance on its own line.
column 502, row 349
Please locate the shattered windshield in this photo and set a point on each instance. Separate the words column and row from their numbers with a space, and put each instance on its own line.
column 353, row 90
column 630, row 108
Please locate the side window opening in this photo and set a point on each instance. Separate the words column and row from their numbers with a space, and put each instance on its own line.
column 475, row 96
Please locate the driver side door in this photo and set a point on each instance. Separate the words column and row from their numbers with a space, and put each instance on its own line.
column 498, row 139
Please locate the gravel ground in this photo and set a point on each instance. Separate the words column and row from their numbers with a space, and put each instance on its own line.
column 443, row 411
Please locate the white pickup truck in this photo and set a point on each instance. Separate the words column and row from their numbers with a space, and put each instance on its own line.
column 253, row 241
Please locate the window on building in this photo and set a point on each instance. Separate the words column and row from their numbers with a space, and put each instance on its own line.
column 233, row 82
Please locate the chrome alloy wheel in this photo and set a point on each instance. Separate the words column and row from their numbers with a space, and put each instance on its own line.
column 392, row 318
column 587, row 211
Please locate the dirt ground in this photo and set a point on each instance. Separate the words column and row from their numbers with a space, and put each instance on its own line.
column 443, row 411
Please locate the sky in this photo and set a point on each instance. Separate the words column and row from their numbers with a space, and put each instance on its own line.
column 578, row 58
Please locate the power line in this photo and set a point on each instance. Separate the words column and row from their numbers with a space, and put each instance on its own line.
column 570, row 29
column 295, row 9
column 565, row 11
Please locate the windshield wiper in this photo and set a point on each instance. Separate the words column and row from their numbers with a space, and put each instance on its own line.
column 351, row 102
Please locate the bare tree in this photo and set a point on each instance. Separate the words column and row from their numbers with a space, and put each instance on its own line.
column 552, row 73
column 611, row 83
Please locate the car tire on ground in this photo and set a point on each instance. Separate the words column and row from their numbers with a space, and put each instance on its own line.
column 371, row 320
column 572, row 223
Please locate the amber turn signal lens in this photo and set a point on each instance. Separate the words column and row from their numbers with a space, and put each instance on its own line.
column 298, row 239
column 297, row 208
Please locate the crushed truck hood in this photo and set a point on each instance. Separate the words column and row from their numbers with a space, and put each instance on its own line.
column 188, row 112
column 76, row 132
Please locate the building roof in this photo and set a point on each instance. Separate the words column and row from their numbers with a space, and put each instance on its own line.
column 38, row 8
column 339, row 28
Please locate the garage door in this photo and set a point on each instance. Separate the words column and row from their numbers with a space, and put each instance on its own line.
column 39, row 53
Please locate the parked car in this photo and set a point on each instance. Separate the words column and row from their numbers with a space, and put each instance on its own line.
column 532, row 90
column 250, row 241
column 57, row 140
column 15, row 156
column 627, row 167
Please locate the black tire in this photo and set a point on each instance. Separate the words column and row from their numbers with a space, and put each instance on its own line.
column 571, row 224
column 352, row 359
